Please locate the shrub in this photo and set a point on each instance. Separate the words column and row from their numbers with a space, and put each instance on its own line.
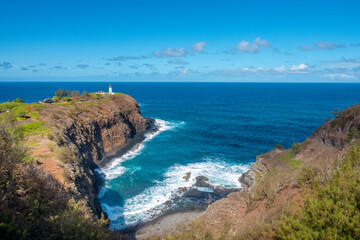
column 18, row 100
column 20, row 114
column 67, row 99
column 33, row 204
column 50, row 136
column 65, row 154
column 353, row 133
column 296, row 147
column 333, row 209
column 10, row 229
column 333, row 123
column 35, row 115
column 34, row 128
column 60, row 93
column 56, row 98
column 85, row 94
column 77, row 222
column 74, row 94
column 279, row 146
column 54, row 116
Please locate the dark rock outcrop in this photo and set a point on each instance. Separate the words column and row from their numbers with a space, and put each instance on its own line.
column 201, row 181
column 338, row 132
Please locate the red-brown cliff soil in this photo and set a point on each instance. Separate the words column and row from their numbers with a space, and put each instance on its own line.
column 83, row 134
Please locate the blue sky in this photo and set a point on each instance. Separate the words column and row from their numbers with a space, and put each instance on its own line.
column 222, row 41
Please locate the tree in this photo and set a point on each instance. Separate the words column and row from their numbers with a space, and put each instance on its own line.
column 18, row 100
column 75, row 94
column 60, row 93
column 85, row 94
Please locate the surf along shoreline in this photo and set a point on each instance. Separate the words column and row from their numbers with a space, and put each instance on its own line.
column 187, row 205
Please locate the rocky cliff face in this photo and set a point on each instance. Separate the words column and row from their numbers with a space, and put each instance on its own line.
column 105, row 129
column 86, row 133
column 272, row 183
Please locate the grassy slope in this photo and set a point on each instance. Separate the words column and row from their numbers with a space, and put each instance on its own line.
column 42, row 207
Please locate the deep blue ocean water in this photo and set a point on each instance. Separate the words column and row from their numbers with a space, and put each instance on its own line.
column 210, row 129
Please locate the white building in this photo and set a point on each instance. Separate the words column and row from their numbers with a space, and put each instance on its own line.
column 110, row 89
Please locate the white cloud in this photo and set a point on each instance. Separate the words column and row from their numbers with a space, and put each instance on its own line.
column 334, row 76
column 245, row 46
column 178, row 62
column 254, row 47
column 280, row 69
column 321, row 45
column 198, row 47
column 301, row 66
column 169, row 52
column 261, row 42
column 328, row 45
column 307, row 48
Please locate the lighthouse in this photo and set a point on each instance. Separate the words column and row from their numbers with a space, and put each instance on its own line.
column 110, row 89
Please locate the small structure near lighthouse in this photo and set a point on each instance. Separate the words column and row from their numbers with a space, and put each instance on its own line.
column 110, row 90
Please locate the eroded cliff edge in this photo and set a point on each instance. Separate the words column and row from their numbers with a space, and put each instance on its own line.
column 83, row 134
column 276, row 182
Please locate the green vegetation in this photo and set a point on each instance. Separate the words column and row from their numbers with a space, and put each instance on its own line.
column 18, row 100
column 34, row 115
column 34, row 128
column 33, row 205
column 289, row 156
column 65, row 154
column 66, row 99
column 85, row 94
column 333, row 123
column 21, row 110
column 60, row 93
column 279, row 147
column 118, row 94
column 74, row 94
column 66, row 95
column 63, row 103
column 353, row 133
column 332, row 211
column 77, row 223
column 15, row 107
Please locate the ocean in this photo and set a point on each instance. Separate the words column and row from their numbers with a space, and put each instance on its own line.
column 210, row 129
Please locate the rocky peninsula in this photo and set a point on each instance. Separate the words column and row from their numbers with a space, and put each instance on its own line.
column 71, row 137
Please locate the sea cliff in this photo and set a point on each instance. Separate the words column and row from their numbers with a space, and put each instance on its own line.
column 82, row 135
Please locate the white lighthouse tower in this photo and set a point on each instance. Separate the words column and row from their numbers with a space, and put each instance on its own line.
column 110, row 89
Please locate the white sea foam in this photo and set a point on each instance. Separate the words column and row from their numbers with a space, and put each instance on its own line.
column 115, row 169
column 151, row 202
column 115, row 212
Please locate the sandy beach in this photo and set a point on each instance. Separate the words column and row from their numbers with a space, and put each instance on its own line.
column 165, row 224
